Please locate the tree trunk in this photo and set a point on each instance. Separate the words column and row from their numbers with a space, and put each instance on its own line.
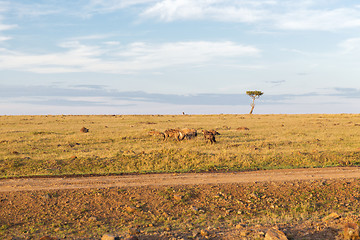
column 252, row 109
column 252, row 106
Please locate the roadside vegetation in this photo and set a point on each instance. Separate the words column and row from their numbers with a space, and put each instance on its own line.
column 54, row 145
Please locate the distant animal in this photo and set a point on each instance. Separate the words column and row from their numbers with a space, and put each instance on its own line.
column 209, row 136
column 189, row 133
column 214, row 132
column 174, row 133
column 157, row 133
column 84, row 130
column 243, row 128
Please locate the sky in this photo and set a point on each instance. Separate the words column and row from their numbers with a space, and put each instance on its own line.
column 175, row 56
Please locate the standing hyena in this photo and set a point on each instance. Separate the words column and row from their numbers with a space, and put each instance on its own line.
column 189, row 133
column 209, row 136
column 174, row 133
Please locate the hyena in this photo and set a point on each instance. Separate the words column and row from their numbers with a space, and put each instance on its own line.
column 189, row 133
column 84, row 130
column 209, row 136
column 174, row 133
column 214, row 132
column 157, row 133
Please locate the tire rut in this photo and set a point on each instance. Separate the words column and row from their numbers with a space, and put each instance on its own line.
column 278, row 175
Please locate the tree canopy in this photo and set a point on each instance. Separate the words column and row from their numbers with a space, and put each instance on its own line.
column 254, row 94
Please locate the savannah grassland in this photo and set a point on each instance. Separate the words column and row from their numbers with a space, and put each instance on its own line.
column 54, row 145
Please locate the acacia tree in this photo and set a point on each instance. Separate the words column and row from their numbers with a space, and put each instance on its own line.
column 254, row 95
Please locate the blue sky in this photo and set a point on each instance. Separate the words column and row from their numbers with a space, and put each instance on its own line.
column 174, row 56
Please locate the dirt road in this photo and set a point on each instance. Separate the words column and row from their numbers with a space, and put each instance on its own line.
column 33, row 184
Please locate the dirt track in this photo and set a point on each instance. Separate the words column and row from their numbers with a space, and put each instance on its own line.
column 32, row 184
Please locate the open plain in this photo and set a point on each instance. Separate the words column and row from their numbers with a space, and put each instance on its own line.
column 62, row 182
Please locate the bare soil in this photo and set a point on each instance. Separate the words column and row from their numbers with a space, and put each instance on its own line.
column 238, row 205
column 76, row 182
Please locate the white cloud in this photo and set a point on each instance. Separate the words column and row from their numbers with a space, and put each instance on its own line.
column 4, row 8
column 325, row 20
column 4, row 27
column 72, row 60
column 278, row 14
column 350, row 45
column 30, row 9
column 282, row 14
column 287, row 15
column 221, row 10
column 135, row 57
column 2, row 38
column 153, row 56
column 90, row 37
column 105, row 6
column 295, row 51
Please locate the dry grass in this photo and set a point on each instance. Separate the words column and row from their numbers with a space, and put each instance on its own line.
column 54, row 145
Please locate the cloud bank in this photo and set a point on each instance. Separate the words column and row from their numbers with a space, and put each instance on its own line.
column 97, row 99
column 124, row 59
column 286, row 15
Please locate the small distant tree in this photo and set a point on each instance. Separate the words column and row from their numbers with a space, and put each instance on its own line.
column 254, row 95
